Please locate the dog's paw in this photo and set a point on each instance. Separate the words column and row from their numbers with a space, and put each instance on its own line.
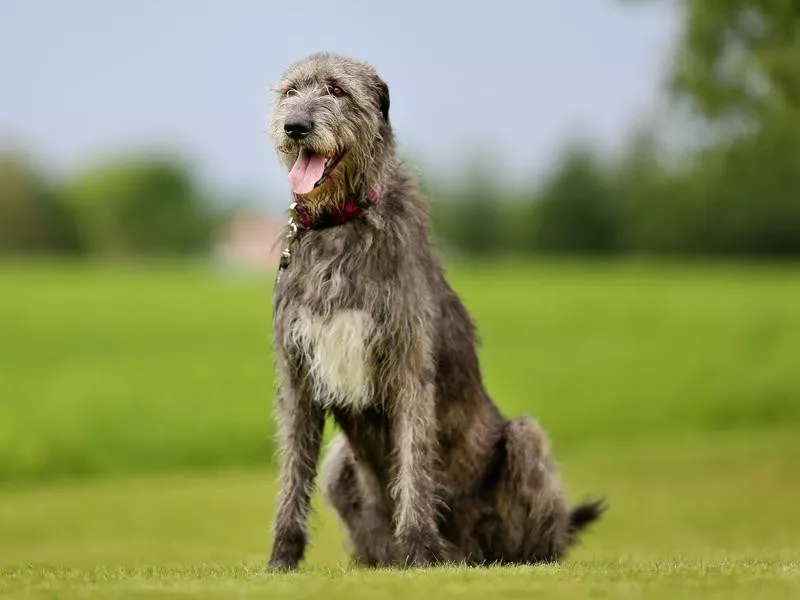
column 281, row 565
column 418, row 562
column 419, row 555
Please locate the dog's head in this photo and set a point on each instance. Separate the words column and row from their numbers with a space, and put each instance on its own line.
column 330, row 126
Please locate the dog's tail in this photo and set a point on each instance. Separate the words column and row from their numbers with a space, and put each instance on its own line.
column 583, row 515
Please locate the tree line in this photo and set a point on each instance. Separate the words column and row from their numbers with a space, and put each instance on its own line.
column 736, row 199
column 149, row 205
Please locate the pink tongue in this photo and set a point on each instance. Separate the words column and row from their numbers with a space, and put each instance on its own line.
column 307, row 170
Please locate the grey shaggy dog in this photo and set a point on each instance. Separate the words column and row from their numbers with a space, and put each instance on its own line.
column 367, row 329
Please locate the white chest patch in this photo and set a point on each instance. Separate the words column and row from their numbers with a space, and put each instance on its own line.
column 337, row 350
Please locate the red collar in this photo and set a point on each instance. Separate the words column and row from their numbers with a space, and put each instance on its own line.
column 336, row 215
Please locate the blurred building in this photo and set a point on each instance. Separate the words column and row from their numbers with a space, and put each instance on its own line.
column 251, row 240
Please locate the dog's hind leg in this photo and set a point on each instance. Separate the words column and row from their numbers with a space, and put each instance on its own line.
column 531, row 505
column 353, row 492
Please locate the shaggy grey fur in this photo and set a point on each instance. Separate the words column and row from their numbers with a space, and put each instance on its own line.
column 367, row 329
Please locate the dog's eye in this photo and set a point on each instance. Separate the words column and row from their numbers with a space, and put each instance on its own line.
column 290, row 92
column 335, row 90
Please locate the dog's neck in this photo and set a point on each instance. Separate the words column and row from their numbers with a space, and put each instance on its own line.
column 321, row 217
column 303, row 218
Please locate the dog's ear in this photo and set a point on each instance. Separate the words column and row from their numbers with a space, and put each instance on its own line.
column 383, row 98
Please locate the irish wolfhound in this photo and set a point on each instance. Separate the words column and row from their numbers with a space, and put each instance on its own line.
column 426, row 468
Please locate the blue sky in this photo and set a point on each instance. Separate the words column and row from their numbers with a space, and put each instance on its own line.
column 87, row 78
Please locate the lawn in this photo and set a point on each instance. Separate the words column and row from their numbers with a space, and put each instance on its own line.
column 109, row 368
column 691, row 516
column 136, row 434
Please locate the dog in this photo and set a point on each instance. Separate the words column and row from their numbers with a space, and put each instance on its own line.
column 426, row 468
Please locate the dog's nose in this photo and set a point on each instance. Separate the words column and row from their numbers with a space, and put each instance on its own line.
column 298, row 127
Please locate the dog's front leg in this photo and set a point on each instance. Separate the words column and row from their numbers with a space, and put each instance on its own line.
column 413, row 490
column 301, row 422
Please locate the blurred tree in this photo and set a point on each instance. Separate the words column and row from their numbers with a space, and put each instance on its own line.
column 754, row 192
column 32, row 218
column 738, row 64
column 576, row 210
column 470, row 215
column 658, row 211
column 739, row 60
column 736, row 199
column 140, row 206
column 477, row 218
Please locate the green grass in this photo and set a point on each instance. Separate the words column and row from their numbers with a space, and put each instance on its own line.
column 109, row 368
column 691, row 517
column 672, row 389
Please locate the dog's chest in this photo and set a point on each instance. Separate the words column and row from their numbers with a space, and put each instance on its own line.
column 337, row 353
